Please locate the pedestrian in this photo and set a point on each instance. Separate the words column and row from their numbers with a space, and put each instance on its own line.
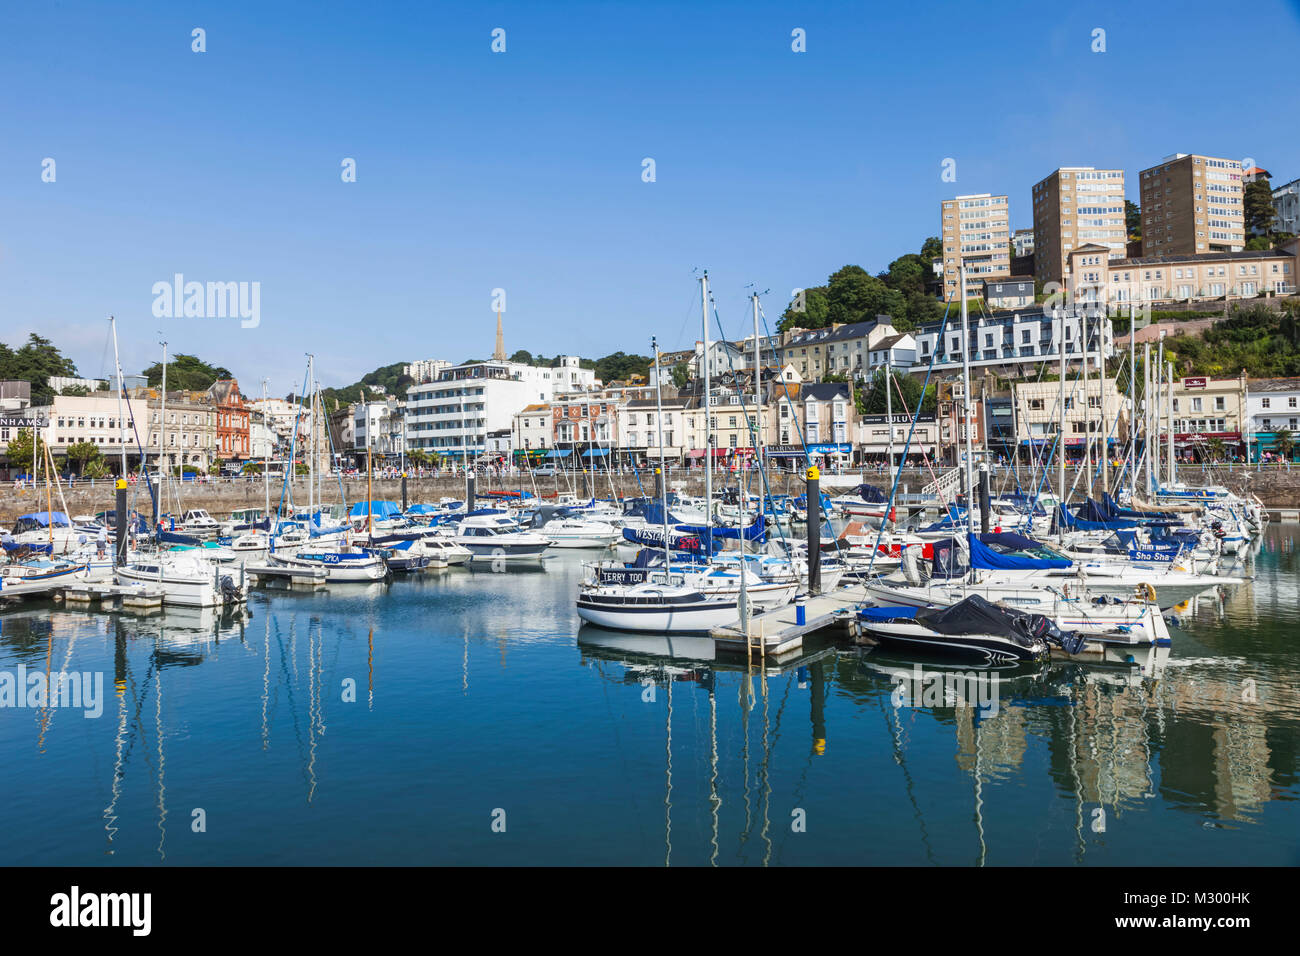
column 100, row 542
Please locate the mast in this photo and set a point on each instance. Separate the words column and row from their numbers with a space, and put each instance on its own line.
column 311, row 442
column 1169, row 420
column 663, row 475
column 121, row 421
column 889, row 411
column 1146, row 412
column 1158, row 454
column 1105, row 422
column 1132, row 399
column 266, row 464
column 966, row 407
column 164, row 477
column 1060, row 432
column 708, row 416
column 758, row 401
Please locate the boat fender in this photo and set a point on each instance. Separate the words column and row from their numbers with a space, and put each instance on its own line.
column 1147, row 591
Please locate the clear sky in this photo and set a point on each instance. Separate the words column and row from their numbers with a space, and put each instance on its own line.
column 522, row 170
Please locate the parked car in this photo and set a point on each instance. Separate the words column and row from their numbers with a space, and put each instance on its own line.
column 546, row 471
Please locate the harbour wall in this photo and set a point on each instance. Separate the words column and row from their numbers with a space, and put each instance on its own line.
column 1276, row 487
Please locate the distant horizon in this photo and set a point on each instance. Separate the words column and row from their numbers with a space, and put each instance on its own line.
column 520, row 177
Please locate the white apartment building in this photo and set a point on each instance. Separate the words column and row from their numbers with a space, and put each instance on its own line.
column 1018, row 339
column 378, row 427
column 454, row 413
column 59, row 382
column 425, row 370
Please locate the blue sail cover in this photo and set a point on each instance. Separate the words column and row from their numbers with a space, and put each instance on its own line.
column 1084, row 524
column 379, row 509
column 985, row 558
column 751, row 532
column 1009, row 539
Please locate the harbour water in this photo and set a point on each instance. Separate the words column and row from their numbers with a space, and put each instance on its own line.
column 464, row 717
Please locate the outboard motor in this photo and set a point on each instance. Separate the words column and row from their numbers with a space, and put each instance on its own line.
column 230, row 593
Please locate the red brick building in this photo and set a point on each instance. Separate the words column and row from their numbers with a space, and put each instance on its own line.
column 232, row 420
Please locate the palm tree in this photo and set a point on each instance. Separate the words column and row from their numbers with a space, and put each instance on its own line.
column 1216, row 449
column 1284, row 442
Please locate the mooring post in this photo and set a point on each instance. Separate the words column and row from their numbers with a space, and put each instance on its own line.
column 984, row 497
column 403, row 492
column 469, row 492
column 122, row 522
column 814, row 531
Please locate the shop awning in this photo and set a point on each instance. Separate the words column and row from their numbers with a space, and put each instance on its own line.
column 695, row 453
column 595, row 453
column 559, row 453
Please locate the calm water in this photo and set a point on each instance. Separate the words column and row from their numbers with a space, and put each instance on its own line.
column 479, row 698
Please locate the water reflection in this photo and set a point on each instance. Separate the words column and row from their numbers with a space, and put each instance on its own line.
column 817, row 757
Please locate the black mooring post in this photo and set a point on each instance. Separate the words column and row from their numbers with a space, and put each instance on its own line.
column 403, row 492
column 122, row 521
column 469, row 492
column 984, row 498
column 814, row 531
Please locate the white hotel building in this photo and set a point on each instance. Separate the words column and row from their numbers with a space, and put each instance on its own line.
column 453, row 413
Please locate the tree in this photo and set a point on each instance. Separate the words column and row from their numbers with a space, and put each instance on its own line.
column 1257, row 207
column 74, row 390
column 1284, row 443
column 81, row 454
column 806, row 311
column 681, row 374
column 523, row 357
column 252, row 468
column 215, row 467
column 36, row 362
column 1132, row 219
column 95, row 468
column 19, row 453
column 186, row 373
column 1216, row 449
column 872, row 400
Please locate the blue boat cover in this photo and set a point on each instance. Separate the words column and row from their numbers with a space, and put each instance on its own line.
column 982, row 556
column 870, row 494
column 1009, row 539
column 379, row 509
column 43, row 518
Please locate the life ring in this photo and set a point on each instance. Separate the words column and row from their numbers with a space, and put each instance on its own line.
column 1147, row 591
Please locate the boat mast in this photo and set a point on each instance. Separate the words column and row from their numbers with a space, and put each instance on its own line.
column 1169, row 419
column 1146, row 412
column 311, row 443
column 1101, row 401
column 1082, row 312
column 266, row 465
column 121, row 421
column 966, row 407
column 164, row 478
column 663, row 475
column 1060, row 430
column 708, row 417
column 1159, row 411
column 1132, row 399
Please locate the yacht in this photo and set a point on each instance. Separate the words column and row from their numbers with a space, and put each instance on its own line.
column 496, row 537
column 186, row 579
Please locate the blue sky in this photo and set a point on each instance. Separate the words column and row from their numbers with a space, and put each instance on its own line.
column 522, row 170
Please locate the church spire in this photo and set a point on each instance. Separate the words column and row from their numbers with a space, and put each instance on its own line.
column 500, row 354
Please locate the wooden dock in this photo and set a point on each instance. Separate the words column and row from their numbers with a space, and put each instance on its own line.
column 134, row 597
column 779, row 632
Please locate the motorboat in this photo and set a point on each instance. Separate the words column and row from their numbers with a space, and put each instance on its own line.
column 496, row 537
column 973, row 629
column 185, row 579
column 624, row 601
column 579, row 533
column 342, row 566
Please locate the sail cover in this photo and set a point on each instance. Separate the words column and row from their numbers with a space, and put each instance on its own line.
column 982, row 556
